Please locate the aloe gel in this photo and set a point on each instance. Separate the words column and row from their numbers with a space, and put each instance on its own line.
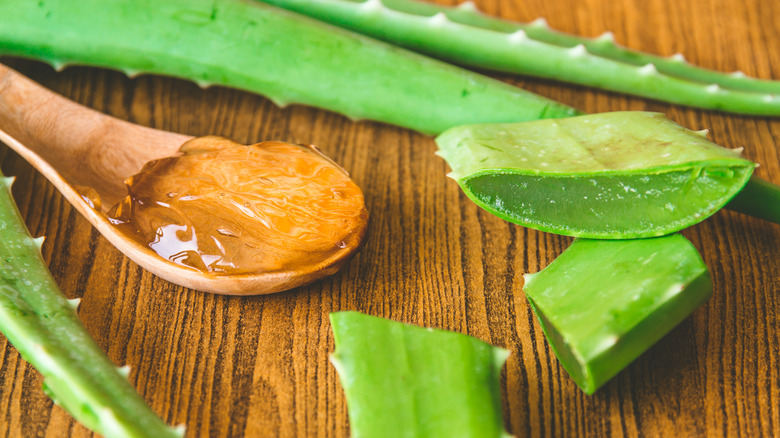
column 615, row 175
column 602, row 303
column 408, row 381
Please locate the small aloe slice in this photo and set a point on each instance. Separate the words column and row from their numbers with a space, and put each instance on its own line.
column 602, row 303
column 610, row 176
column 41, row 323
column 407, row 381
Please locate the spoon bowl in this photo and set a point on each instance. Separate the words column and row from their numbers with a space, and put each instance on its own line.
column 74, row 147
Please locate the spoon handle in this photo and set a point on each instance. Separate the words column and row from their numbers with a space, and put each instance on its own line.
column 84, row 146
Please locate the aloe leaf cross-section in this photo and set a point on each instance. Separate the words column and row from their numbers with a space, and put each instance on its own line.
column 619, row 175
column 406, row 381
column 602, row 303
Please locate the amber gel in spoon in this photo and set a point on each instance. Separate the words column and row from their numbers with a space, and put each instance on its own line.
column 222, row 208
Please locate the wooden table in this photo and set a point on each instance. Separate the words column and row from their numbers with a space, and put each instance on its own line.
column 258, row 366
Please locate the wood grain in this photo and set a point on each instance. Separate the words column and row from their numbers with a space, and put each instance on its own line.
column 256, row 367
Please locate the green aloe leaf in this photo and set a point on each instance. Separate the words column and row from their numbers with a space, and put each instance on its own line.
column 407, row 381
column 610, row 176
column 41, row 323
column 603, row 303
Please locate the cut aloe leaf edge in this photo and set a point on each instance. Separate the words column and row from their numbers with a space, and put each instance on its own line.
column 602, row 303
column 616, row 175
column 406, row 381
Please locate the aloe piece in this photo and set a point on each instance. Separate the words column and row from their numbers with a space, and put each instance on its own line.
column 42, row 324
column 602, row 303
column 465, row 36
column 407, row 381
column 253, row 46
column 616, row 175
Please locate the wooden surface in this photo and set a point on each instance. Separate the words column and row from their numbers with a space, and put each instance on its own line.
column 231, row 366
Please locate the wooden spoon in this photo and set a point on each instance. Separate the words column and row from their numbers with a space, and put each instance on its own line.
column 72, row 145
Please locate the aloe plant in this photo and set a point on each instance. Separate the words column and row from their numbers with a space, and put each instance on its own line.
column 602, row 303
column 611, row 176
column 42, row 324
column 465, row 36
column 407, row 381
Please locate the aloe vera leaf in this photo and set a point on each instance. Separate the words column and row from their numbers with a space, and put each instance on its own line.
column 760, row 199
column 616, row 175
column 253, row 46
column 602, row 303
column 463, row 36
column 466, row 13
column 41, row 323
column 406, row 381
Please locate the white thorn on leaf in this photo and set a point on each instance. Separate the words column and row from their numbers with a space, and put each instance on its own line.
column 578, row 50
column 738, row 74
column 59, row 65
column 739, row 150
column 540, row 22
column 124, row 370
column 203, row 84
column 648, row 69
column 180, row 429
column 606, row 37
column 770, row 98
column 278, row 102
column 438, row 20
column 518, row 36
column 679, row 57
column 74, row 303
column 371, row 5
column 38, row 241
column 467, row 6
column 9, row 181
column 132, row 73
column 712, row 89
column 702, row 133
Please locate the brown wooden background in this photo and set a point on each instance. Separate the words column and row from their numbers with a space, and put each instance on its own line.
column 258, row 366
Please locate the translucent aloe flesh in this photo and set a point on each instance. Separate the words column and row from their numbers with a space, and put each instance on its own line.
column 253, row 46
column 407, row 381
column 603, row 303
column 612, row 176
column 465, row 36
column 42, row 324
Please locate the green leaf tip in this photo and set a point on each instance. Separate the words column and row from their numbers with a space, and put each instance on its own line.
column 602, row 303
column 615, row 175
column 406, row 381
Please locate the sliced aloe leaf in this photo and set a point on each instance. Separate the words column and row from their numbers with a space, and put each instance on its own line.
column 602, row 303
column 407, row 381
column 615, row 175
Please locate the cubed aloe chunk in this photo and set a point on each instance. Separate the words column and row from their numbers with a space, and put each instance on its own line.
column 408, row 381
column 607, row 176
column 602, row 303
